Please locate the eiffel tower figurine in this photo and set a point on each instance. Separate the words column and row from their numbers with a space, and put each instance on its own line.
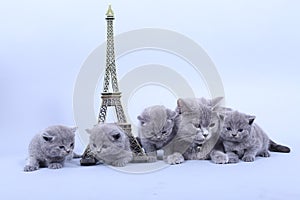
column 113, row 98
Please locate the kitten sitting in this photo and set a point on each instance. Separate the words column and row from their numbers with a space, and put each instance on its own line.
column 156, row 129
column 198, row 132
column 109, row 144
column 242, row 138
column 51, row 148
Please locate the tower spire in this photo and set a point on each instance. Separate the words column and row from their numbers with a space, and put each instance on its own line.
column 110, row 12
column 110, row 70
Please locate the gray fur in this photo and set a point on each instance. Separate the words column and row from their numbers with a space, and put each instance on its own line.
column 242, row 138
column 278, row 147
column 198, row 130
column 156, row 129
column 51, row 148
column 110, row 144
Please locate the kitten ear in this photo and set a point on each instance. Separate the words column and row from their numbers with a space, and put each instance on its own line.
column 89, row 131
column 47, row 137
column 179, row 104
column 184, row 105
column 216, row 101
column 221, row 116
column 116, row 136
column 171, row 114
column 74, row 129
column 251, row 119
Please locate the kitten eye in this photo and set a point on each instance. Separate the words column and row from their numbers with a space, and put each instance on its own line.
column 104, row 146
column 240, row 130
column 212, row 125
column 72, row 145
column 116, row 136
column 228, row 128
column 164, row 132
column 61, row 147
column 94, row 145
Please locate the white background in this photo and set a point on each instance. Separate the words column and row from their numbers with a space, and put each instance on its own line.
column 254, row 45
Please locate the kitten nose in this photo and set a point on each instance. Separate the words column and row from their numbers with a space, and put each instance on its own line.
column 234, row 134
column 205, row 133
column 68, row 150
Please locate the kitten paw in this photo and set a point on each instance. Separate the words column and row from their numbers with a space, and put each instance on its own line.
column 265, row 154
column 175, row 158
column 248, row 158
column 220, row 159
column 119, row 163
column 55, row 166
column 233, row 160
column 152, row 159
column 88, row 160
column 29, row 168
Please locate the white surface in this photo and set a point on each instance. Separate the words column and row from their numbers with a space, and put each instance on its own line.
column 272, row 178
column 254, row 45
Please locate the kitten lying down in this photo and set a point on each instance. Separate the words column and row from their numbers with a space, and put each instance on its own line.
column 243, row 139
column 109, row 144
column 51, row 148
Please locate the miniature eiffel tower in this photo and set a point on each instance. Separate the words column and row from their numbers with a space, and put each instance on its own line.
column 113, row 98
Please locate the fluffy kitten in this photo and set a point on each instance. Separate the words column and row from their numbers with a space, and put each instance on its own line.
column 156, row 129
column 206, row 144
column 109, row 144
column 242, row 138
column 197, row 131
column 51, row 148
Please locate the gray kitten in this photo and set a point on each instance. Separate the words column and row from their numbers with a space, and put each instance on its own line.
column 198, row 131
column 206, row 144
column 51, row 148
column 242, row 138
column 109, row 144
column 156, row 129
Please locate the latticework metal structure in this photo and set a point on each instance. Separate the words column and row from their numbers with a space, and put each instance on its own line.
column 113, row 99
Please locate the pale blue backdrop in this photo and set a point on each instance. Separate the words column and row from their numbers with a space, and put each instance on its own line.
column 254, row 45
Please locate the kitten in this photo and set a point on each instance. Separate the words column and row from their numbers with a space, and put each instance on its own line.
column 206, row 144
column 197, row 131
column 242, row 138
column 51, row 148
column 109, row 144
column 156, row 129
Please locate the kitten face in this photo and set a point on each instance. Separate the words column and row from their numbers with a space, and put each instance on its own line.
column 107, row 140
column 205, row 127
column 156, row 123
column 198, row 129
column 58, row 141
column 237, row 126
column 201, row 124
column 198, row 118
